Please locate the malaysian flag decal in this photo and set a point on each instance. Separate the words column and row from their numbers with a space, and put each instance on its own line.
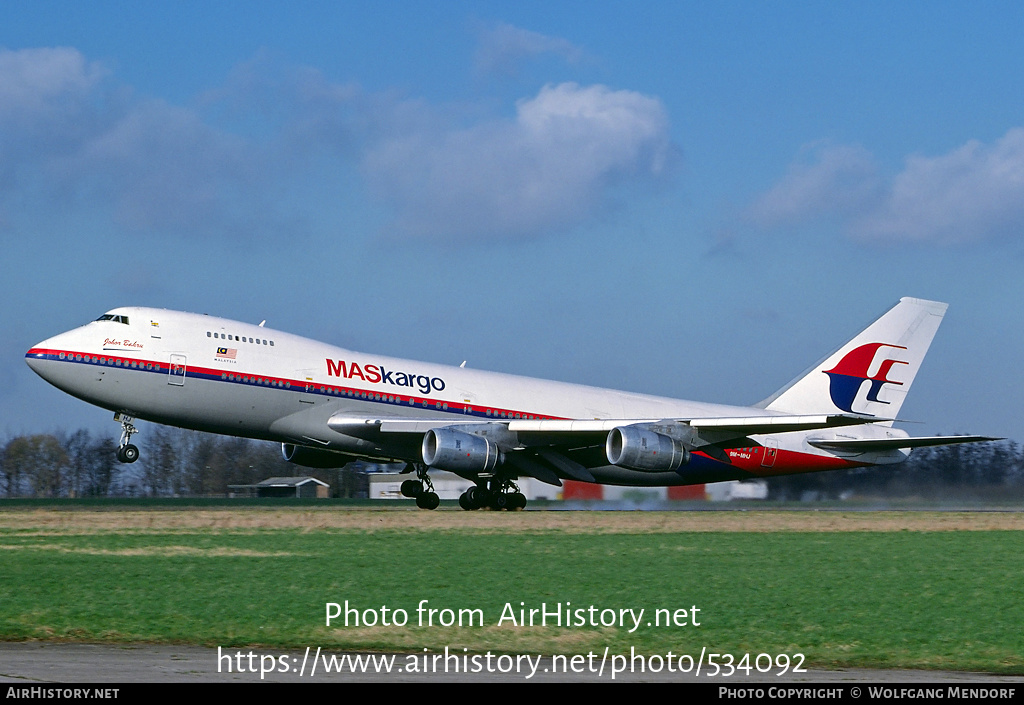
column 229, row 353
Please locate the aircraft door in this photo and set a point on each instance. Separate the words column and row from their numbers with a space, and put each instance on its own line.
column 771, row 451
column 176, row 371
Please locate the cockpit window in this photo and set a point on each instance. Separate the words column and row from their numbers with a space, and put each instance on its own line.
column 112, row 317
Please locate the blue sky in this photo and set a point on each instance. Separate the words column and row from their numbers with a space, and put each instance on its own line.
column 690, row 199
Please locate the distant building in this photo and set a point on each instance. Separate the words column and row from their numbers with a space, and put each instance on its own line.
column 303, row 487
column 734, row 489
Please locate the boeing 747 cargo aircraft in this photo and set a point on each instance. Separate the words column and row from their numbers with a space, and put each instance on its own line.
column 328, row 406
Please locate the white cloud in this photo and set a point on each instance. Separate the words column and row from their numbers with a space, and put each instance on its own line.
column 549, row 168
column 504, row 47
column 975, row 192
column 829, row 179
column 162, row 168
column 972, row 193
column 219, row 168
column 68, row 134
column 46, row 106
column 38, row 81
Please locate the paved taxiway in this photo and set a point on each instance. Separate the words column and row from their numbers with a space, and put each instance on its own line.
column 31, row 663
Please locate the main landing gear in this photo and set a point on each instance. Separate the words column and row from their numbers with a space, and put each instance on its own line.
column 494, row 493
column 126, row 452
column 500, row 494
column 422, row 489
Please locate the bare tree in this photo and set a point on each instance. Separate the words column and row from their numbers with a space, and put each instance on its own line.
column 39, row 460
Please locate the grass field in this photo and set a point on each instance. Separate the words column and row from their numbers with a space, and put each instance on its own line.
column 886, row 589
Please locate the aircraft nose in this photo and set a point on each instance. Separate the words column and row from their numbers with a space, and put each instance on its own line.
column 40, row 354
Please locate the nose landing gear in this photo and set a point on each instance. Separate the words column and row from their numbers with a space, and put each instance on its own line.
column 126, row 452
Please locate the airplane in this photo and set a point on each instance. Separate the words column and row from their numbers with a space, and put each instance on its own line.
column 328, row 406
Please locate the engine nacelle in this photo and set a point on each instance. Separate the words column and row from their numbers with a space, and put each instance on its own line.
column 640, row 449
column 447, row 449
column 314, row 458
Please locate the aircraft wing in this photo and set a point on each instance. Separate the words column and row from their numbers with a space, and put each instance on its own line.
column 550, row 449
column 736, row 426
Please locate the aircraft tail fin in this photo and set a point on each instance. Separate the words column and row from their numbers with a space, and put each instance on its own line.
column 871, row 374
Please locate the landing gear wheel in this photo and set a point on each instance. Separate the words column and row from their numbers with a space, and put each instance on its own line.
column 421, row 488
column 128, row 454
column 428, row 500
column 500, row 494
column 412, row 488
column 471, row 499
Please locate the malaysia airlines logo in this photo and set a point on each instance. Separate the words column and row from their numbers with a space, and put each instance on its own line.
column 850, row 373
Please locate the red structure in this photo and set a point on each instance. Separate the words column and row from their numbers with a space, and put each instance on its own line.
column 571, row 489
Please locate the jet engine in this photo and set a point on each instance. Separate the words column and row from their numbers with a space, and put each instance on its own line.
column 314, row 458
column 637, row 448
column 447, row 449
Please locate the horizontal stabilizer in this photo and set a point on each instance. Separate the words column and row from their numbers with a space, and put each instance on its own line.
column 753, row 425
column 866, row 445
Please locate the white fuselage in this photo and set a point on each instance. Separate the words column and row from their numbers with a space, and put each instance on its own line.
column 212, row 374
